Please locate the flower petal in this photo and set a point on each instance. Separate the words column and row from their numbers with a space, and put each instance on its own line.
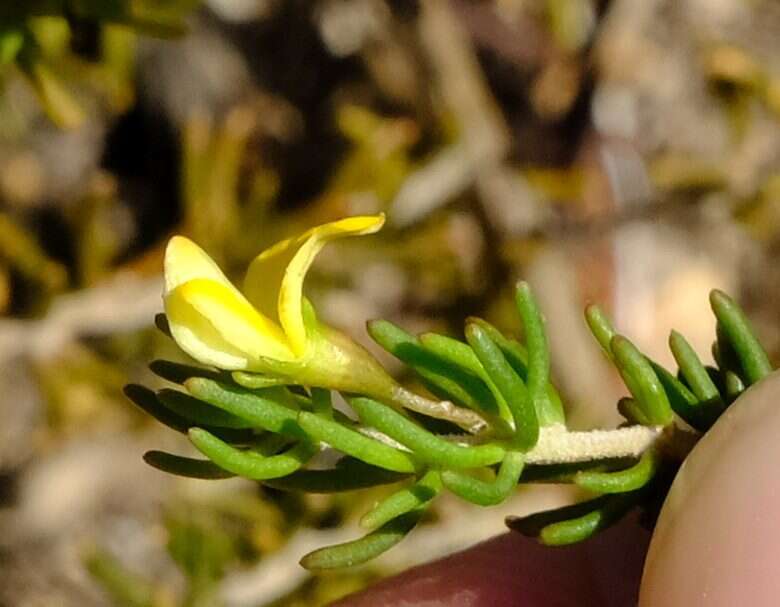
column 258, row 282
column 195, row 334
column 216, row 325
column 185, row 261
column 265, row 274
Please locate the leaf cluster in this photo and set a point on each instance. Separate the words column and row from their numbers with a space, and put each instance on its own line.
column 265, row 429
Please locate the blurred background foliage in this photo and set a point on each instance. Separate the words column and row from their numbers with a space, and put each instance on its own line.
column 615, row 151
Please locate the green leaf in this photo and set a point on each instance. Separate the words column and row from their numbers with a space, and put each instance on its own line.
column 322, row 403
column 445, row 380
column 403, row 501
column 146, row 400
column 185, row 466
column 250, row 464
column 693, row 371
column 178, row 373
column 723, row 352
column 198, row 412
column 734, row 385
column 601, row 328
column 509, row 384
column 274, row 411
column 364, row 549
column 633, row 412
column 538, row 357
column 642, row 381
column 517, row 356
column 621, row 481
column 355, row 444
column 565, row 473
column 453, row 351
column 348, row 475
column 487, row 493
column 427, row 447
column 572, row 524
column 740, row 336
column 684, row 402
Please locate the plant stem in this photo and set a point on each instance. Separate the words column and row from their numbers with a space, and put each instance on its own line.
column 559, row 446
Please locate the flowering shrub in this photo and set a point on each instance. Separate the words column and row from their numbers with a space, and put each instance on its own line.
column 261, row 407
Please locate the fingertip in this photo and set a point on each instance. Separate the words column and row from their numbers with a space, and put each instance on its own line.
column 514, row 570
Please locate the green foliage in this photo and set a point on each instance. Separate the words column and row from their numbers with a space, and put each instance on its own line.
column 256, row 427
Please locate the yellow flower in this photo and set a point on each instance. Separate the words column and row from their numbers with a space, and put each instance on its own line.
column 216, row 324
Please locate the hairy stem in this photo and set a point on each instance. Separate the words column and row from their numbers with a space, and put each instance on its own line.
column 559, row 446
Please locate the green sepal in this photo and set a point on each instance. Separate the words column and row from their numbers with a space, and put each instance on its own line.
column 255, row 381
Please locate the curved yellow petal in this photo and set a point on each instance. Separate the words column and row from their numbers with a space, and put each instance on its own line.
column 260, row 279
column 185, row 261
column 218, row 326
column 264, row 277
column 195, row 334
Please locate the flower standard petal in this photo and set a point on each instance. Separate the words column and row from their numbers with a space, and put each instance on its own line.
column 212, row 321
column 290, row 306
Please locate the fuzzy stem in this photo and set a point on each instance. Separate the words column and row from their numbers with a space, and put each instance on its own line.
column 558, row 446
